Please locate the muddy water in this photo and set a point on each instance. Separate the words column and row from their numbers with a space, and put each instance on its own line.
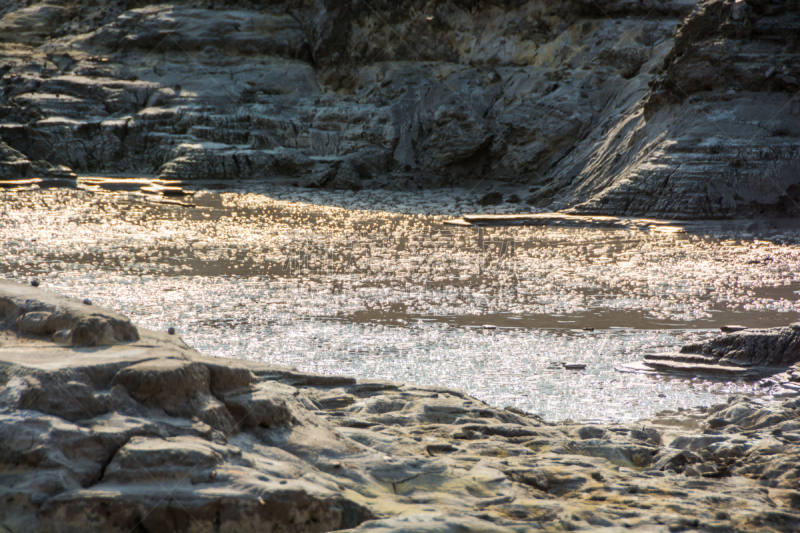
column 367, row 285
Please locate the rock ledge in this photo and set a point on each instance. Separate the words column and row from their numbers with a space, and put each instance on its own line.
column 145, row 434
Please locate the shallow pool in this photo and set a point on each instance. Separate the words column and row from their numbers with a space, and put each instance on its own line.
column 365, row 284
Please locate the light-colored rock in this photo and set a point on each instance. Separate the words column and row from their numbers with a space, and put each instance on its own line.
column 149, row 434
column 81, row 326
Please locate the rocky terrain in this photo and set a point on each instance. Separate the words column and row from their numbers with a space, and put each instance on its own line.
column 107, row 427
column 770, row 354
column 678, row 108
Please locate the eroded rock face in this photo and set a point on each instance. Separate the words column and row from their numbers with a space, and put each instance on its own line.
column 600, row 107
column 149, row 435
column 718, row 132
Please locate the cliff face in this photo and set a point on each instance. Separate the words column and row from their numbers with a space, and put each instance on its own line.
column 676, row 108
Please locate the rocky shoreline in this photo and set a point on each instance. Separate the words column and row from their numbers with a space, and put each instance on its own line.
column 109, row 427
column 771, row 355
column 672, row 109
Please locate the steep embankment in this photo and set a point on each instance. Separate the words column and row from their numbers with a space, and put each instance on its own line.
column 591, row 105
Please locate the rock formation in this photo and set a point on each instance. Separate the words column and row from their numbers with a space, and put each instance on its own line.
column 141, row 433
column 679, row 108
column 771, row 354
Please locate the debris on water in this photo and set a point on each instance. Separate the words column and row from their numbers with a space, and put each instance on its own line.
column 574, row 366
column 87, row 301
column 165, row 190
column 489, row 326
column 731, row 329
column 588, row 329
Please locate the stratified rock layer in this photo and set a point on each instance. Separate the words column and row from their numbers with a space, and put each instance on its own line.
column 595, row 106
column 148, row 435
column 771, row 354
column 775, row 347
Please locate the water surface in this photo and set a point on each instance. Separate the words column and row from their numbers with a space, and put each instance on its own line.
column 366, row 284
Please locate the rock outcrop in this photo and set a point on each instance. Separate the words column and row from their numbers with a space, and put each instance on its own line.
column 145, row 434
column 679, row 108
column 771, row 354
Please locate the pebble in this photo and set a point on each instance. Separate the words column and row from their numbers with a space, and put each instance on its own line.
column 731, row 329
column 35, row 283
column 87, row 301
column 171, row 331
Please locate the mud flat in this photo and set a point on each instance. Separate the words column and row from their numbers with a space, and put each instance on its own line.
column 109, row 427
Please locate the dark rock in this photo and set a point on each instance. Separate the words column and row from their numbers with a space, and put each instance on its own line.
column 491, row 198
column 304, row 98
column 775, row 347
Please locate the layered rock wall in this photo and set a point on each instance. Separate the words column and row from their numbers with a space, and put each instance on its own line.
column 679, row 108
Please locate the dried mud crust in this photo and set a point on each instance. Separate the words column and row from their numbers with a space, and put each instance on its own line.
column 149, row 434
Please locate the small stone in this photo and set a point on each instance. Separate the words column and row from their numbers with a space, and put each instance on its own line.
column 588, row 329
column 492, row 198
column 171, row 331
column 87, row 301
column 731, row 329
column 35, row 283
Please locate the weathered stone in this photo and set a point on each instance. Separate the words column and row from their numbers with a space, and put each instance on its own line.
column 753, row 353
column 151, row 435
column 588, row 107
column 81, row 326
column 260, row 406
column 154, row 382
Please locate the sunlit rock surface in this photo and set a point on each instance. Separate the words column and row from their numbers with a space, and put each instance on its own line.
column 149, row 435
column 679, row 108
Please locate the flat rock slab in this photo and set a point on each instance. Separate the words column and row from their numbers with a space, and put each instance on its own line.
column 744, row 353
column 150, row 434
column 561, row 219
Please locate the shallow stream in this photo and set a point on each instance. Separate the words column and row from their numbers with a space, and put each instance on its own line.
column 366, row 284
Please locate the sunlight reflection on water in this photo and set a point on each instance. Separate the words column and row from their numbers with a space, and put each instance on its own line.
column 389, row 293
